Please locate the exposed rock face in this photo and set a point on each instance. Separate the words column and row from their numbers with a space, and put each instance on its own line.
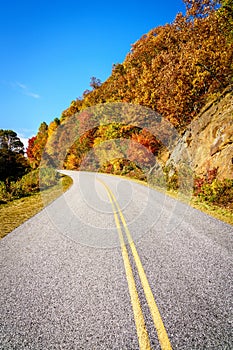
column 208, row 142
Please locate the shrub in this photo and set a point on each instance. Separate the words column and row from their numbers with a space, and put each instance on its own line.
column 218, row 192
column 34, row 181
column 16, row 190
column 30, row 182
column 48, row 177
column 4, row 195
column 171, row 176
column 212, row 190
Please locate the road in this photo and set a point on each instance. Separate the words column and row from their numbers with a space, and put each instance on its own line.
column 112, row 264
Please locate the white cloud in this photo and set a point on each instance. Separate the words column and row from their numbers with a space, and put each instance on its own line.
column 32, row 94
column 25, row 90
column 21, row 133
column 22, row 86
column 25, row 142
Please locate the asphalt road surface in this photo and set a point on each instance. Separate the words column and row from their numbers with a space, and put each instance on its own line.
column 112, row 264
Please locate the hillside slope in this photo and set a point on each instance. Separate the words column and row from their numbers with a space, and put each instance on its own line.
column 175, row 71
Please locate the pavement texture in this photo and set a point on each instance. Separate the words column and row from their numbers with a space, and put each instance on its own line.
column 63, row 283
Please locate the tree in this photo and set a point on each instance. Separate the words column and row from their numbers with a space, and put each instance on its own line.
column 9, row 141
column 95, row 83
column 226, row 18
column 36, row 146
column 200, row 8
column 13, row 164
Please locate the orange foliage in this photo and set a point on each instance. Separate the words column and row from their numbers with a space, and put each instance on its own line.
column 173, row 70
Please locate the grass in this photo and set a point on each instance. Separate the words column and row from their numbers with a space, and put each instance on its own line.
column 223, row 214
column 14, row 213
column 220, row 213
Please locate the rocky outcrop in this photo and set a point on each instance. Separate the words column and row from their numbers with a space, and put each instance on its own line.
column 208, row 142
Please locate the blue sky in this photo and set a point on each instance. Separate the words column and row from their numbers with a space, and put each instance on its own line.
column 51, row 49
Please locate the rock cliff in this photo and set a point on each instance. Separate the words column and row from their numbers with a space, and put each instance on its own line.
column 208, row 141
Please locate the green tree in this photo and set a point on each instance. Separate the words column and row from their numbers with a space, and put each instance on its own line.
column 13, row 164
column 9, row 141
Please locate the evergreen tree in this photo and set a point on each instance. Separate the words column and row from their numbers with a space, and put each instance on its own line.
column 13, row 164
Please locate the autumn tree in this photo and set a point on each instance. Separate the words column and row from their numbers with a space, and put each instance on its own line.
column 226, row 19
column 95, row 82
column 200, row 8
column 75, row 107
column 36, row 146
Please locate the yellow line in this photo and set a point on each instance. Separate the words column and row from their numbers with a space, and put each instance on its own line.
column 143, row 337
column 161, row 331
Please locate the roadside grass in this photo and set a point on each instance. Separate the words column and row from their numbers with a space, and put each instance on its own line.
column 220, row 213
column 14, row 213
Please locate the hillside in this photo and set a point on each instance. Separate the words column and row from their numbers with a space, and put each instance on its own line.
column 172, row 92
column 174, row 69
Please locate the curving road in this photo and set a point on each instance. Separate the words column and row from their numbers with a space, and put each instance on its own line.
column 112, row 264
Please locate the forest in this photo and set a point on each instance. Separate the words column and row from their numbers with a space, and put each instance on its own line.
column 171, row 73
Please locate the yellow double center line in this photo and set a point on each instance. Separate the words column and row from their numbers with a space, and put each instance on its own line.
column 143, row 337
